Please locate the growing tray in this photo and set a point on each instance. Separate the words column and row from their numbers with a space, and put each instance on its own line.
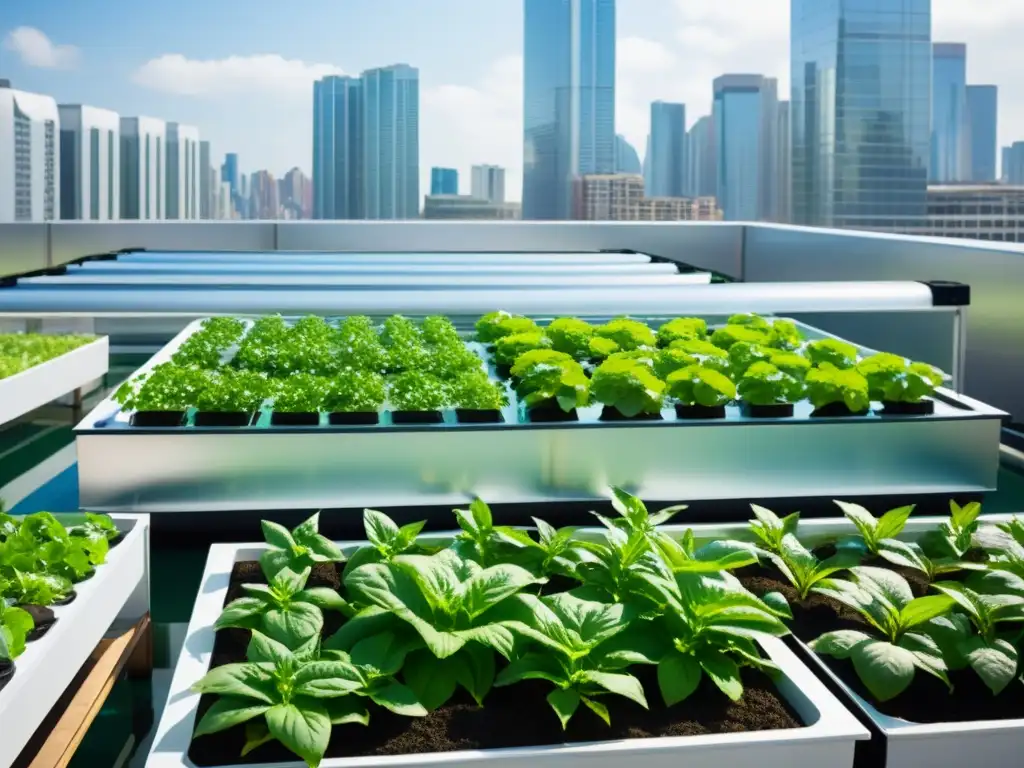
column 898, row 743
column 827, row 740
column 182, row 469
column 118, row 594
column 35, row 387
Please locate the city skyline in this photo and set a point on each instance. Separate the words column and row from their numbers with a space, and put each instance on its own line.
column 470, row 114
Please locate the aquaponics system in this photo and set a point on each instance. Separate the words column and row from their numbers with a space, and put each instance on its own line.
column 528, row 633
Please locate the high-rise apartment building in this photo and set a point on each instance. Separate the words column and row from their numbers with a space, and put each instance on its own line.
column 745, row 123
column 229, row 172
column 296, row 195
column 951, row 141
column 783, row 171
column 568, row 100
column 626, row 158
column 263, row 199
column 90, row 163
column 983, row 117
column 667, row 165
column 1013, row 164
column 30, row 148
column 444, row 181
column 143, row 168
column 860, row 112
column 702, row 167
column 620, row 197
column 183, row 171
column 338, row 148
column 391, row 142
column 487, row 182
column 207, row 182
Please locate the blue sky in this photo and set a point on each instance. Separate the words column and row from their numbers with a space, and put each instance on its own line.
column 241, row 70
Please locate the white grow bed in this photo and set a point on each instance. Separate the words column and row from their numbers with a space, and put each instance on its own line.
column 118, row 592
column 24, row 392
column 827, row 741
column 981, row 743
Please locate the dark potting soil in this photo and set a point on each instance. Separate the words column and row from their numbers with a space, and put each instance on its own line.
column 927, row 700
column 42, row 617
column 461, row 724
column 6, row 672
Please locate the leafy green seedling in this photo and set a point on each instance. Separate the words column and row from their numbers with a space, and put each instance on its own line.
column 764, row 384
column 682, row 329
column 561, row 551
column 33, row 587
column 571, row 336
column 483, row 542
column 700, row 386
column 627, row 333
column 828, row 385
column 911, row 555
column 955, row 535
column 96, row 527
column 550, row 376
column 284, row 609
column 569, row 632
column 417, row 391
column 837, row 353
column 770, row 529
column 15, row 624
column 497, row 325
column 805, row 571
column 629, row 386
column 874, row 531
column 886, row 664
column 297, row 549
column 386, row 539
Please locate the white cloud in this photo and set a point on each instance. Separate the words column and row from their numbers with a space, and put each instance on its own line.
column 37, row 50
column 174, row 73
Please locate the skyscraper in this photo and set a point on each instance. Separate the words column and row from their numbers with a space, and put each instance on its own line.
column 391, row 142
column 1013, row 163
column 29, row 136
column 229, row 172
column 745, row 122
column 207, row 182
column 950, row 155
column 626, row 158
column 702, row 165
column 182, row 171
column 983, row 115
column 143, row 168
column 444, row 181
column 487, row 182
column 90, row 159
column 860, row 112
column 783, row 171
column 338, row 148
column 568, row 100
column 667, row 166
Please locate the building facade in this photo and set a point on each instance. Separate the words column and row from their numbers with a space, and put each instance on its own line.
column 666, row 169
column 30, row 143
column 90, row 163
column 983, row 117
column 487, row 182
column 620, row 197
column 183, row 171
column 745, row 122
column 861, row 132
column 783, row 165
column 993, row 212
column 338, row 148
column 701, row 166
column 143, row 168
column 468, row 207
column 391, row 143
column 951, row 141
column 263, row 199
column 207, row 182
column 568, row 100
column 296, row 195
column 626, row 158
column 1013, row 164
column 444, row 181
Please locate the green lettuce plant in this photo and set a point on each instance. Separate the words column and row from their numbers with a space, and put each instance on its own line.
column 744, row 354
column 749, row 320
column 476, row 391
column 167, row 387
column 785, row 335
column 15, row 625
column 508, row 348
column 550, row 376
column 96, row 527
column 571, row 336
column 21, row 351
column 700, row 386
column 497, row 325
column 828, row 385
column 764, row 384
column 837, row 353
column 415, row 391
column 205, row 347
column 357, row 346
column 792, row 363
column 599, row 348
column 682, row 329
column 886, row 661
column 704, row 353
column 440, row 331
column 355, row 391
column 727, row 335
column 42, row 559
column 628, row 334
column 805, row 571
column 231, row 391
column 451, row 361
column 627, row 386
column 300, row 393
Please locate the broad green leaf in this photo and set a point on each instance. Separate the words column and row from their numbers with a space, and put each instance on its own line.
column 839, row 644
column 256, row 735
column 995, row 662
column 407, row 534
column 927, row 655
column 629, row 506
column 494, row 635
column 790, row 523
column 965, row 515
column 305, row 729
column 859, row 516
column 565, row 702
column 294, row 624
column 643, row 642
column 432, row 680
column 243, row 612
column 597, row 708
column 885, row 669
column 228, row 712
column 778, row 603
column 618, row 683
column 381, row 530
column 435, row 575
column 276, row 535
column 532, row 666
column 665, row 514
column 949, row 633
column 923, row 609
column 475, row 670
column 996, row 583
column 346, row 710
column 723, row 672
column 678, row 677
column 250, row 681
column 327, row 679
column 892, row 523
column 322, row 549
column 530, row 617
column 490, row 586
column 399, row 698
column 266, row 649
column 768, row 519
column 591, row 621
column 385, row 652
column 884, row 583
column 324, row 598
column 903, row 554
column 545, row 531
column 966, row 598
column 367, row 623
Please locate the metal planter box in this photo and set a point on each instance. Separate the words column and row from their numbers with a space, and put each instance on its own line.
column 827, row 741
column 119, row 592
column 903, row 744
column 24, row 392
column 182, row 469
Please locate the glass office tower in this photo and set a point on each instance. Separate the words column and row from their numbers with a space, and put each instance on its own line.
column 667, row 166
column 860, row 112
column 444, row 181
column 745, row 119
column 337, row 148
column 568, row 100
column 950, row 131
column 983, row 117
column 391, row 142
